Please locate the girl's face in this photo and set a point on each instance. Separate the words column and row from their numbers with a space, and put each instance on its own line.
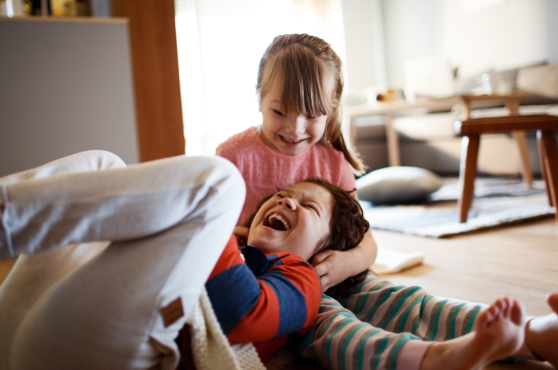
column 288, row 134
column 293, row 220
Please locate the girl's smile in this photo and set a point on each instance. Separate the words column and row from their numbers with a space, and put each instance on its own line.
column 292, row 142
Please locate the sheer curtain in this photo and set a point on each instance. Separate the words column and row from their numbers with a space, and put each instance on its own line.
column 220, row 43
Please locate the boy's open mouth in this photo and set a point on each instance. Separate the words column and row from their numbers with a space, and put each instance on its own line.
column 277, row 222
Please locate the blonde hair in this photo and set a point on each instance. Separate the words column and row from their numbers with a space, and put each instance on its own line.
column 297, row 66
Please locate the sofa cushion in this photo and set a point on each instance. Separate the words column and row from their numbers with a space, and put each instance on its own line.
column 397, row 185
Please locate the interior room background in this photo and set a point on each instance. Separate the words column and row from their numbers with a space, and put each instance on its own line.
column 220, row 43
column 66, row 84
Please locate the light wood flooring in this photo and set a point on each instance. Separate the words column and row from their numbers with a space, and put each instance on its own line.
column 518, row 261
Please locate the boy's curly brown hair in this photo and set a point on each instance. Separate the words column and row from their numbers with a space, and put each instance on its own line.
column 347, row 229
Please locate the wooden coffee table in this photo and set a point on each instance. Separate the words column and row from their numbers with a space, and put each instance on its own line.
column 424, row 105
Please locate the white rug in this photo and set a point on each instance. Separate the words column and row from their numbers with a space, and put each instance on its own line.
column 497, row 202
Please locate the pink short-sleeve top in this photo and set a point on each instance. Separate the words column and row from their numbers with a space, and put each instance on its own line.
column 265, row 171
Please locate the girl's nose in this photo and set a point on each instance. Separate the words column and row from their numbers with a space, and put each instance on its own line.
column 296, row 125
column 287, row 202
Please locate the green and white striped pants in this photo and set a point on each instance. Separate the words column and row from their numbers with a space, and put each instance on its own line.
column 368, row 329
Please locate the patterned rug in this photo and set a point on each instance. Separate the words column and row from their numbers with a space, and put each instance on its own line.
column 497, row 202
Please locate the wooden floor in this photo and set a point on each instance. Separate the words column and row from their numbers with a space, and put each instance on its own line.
column 517, row 261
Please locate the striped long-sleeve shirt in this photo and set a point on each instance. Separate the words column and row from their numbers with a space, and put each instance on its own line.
column 383, row 326
column 260, row 298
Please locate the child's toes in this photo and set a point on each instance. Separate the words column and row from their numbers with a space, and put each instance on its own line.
column 552, row 300
column 498, row 307
column 483, row 318
column 517, row 313
column 506, row 308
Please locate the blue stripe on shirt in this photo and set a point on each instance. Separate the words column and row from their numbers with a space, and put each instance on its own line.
column 292, row 305
column 233, row 293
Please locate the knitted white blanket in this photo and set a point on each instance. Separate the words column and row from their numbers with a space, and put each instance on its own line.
column 211, row 349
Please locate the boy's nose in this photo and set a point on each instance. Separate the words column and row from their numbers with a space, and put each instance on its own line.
column 287, row 202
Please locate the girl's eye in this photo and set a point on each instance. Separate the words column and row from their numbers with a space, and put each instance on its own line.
column 279, row 195
column 310, row 118
column 277, row 112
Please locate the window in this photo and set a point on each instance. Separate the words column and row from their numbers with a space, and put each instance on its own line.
column 220, row 43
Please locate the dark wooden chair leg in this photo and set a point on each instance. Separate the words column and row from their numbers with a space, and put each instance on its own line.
column 467, row 173
column 543, row 167
column 551, row 164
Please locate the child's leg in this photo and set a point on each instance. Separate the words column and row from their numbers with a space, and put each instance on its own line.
column 498, row 332
column 541, row 335
column 120, row 305
column 339, row 340
column 32, row 275
column 411, row 309
column 118, row 204
column 92, row 160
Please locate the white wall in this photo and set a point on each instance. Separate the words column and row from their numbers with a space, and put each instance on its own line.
column 509, row 35
column 412, row 29
column 512, row 34
column 65, row 87
column 364, row 54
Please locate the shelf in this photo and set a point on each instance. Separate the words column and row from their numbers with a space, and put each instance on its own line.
column 51, row 19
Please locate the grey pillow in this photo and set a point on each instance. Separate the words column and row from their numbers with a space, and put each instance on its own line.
column 397, row 185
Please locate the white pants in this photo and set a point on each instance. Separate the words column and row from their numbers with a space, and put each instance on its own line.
column 71, row 301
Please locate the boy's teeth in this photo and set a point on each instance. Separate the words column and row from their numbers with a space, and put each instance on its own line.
column 275, row 216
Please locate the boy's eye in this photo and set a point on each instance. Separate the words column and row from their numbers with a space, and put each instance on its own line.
column 309, row 206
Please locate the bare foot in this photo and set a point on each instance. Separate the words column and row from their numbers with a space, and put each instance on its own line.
column 541, row 334
column 498, row 332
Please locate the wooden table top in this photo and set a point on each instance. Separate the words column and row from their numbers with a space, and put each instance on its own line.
column 432, row 104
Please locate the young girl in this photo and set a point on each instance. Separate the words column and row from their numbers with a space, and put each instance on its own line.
column 299, row 89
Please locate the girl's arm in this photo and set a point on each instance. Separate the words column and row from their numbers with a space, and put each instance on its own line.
column 241, row 234
column 335, row 266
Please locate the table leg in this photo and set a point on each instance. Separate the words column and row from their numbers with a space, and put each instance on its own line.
column 467, row 174
column 543, row 167
column 551, row 165
column 524, row 165
column 521, row 143
column 392, row 142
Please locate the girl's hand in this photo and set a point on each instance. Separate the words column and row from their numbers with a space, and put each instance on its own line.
column 336, row 266
column 241, row 233
column 333, row 268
